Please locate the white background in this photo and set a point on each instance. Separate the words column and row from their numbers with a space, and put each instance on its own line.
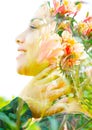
column 14, row 18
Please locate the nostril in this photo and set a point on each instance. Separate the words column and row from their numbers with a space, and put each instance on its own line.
column 19, row 40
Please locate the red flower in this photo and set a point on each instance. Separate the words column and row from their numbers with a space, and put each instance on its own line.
column 62, row 10
column 67, row 50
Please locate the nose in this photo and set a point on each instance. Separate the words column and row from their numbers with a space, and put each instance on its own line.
column 20, row 39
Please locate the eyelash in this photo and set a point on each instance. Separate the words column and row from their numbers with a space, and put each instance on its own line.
column 33, row 27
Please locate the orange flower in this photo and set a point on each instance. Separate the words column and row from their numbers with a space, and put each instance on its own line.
column 62, row 10
column 85, row 27
column 88, row 19
column 68, row 61
column 66, row 7
column 87, row 32
column 71, row 62
column 50, row 48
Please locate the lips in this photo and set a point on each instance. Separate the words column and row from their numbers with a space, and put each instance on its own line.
column 21, row 49
column 21, row 52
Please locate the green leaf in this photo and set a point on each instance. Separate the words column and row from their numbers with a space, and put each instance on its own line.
column 88, row 41
column 3, row 102
column 77, row 121
column 14, row 115
column 9, row 123
column 48, row 3
column 59, row 32
column 76, row 3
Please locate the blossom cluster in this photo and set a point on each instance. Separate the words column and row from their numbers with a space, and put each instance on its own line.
column 73, row 51
column 68, row 29
column 76, row 47
column 85, row 27
column 67, row 43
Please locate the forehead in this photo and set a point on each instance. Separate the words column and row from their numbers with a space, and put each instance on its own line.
column 42, row 14
column 42, row 17
column 43, row 11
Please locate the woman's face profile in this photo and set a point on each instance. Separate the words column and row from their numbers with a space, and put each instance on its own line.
column 29, row 47
column 36, row 44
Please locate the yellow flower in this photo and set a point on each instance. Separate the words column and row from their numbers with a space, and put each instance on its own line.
column 67, row 37
column 66, row 2
column 79, row 6
column 82, row 26
column 71, row 41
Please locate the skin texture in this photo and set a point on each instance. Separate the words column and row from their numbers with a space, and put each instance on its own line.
column 40, row 46
column 32, row 44
column 44, row 91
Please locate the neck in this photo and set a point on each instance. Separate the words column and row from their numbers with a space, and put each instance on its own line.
column 50, row 79
column 48, row 75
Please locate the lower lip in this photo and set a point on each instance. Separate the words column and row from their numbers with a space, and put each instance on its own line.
column 20, row 56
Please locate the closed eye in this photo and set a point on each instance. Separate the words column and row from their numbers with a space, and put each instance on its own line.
column 36, row 23
column 33, row 27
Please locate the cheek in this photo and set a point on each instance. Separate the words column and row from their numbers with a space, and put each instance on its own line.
column 32, row 37
column 29, row 38
column 33, row 45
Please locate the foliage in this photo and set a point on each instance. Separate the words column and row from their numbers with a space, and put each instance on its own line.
column 14, row 115
column 70, row 121
column 17, row 116
column 3, row 102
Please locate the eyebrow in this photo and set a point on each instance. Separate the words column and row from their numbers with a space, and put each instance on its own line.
column 40, row 21
column 36, row 19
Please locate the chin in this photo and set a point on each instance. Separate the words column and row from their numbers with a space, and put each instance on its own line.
column 22, row 69
column 28, row 71
column 31, row 69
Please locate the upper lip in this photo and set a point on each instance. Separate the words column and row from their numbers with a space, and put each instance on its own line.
column 21, row 49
